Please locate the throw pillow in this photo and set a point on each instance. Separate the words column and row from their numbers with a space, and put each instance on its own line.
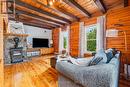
column 101, row 53
column 109, row 55
column 95, row 61
column 113, row 50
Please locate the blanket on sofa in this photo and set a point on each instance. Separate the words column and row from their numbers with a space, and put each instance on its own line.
column 93, row 76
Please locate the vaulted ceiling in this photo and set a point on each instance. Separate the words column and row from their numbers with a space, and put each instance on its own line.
column 57, row 13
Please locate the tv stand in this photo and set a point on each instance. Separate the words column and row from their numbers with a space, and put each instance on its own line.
column 34, row 52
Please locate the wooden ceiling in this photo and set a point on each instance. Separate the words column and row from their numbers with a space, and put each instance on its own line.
column 61, row 12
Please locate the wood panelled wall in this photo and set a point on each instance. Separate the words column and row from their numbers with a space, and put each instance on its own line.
column 120, row 16
column 55, row 37
column 74, row 39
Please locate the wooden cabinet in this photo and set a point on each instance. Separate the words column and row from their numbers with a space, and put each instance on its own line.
column 32, row 52
column 45, row 51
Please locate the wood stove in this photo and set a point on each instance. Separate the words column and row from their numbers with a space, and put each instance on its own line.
column 16, row 54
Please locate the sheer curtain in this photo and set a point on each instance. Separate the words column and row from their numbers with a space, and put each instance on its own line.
column 82, row 40
column 63, row 34
column 100, row 33
column 60, row 40
column 68, row 38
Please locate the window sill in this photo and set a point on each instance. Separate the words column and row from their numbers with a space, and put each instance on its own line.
column 88, row 54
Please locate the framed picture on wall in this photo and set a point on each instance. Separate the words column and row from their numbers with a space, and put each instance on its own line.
column 7, row 7
column 15, row 27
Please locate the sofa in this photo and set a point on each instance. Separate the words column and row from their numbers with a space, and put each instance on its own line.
column 100, row 75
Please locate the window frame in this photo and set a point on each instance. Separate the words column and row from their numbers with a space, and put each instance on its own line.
column 86, row 27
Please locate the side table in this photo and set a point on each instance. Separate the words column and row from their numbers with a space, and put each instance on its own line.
column 53, row 62
column 127, row 69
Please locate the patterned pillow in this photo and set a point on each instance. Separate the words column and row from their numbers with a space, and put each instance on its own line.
column 101, row 53
column 109, row 55
column 95, row 61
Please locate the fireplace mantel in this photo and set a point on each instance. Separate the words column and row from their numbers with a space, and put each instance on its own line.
column 20, row 35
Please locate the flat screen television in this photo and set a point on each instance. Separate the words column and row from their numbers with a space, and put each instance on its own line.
column 40, row 42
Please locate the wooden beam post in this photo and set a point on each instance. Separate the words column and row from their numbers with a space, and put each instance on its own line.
column 3, row 26
column 75, row 5
column 1, row 53
column 20, row 3
column 100, row 5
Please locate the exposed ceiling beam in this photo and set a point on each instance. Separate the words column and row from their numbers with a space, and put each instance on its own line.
column 35, row 25
column 125, row 3
column 38, row 21
column 67, row 13
column 23, row 4
column 55, row 9
column 32, row 24
column 100, row 5
column 24, row 17
column 75, row 5
column 39, row 18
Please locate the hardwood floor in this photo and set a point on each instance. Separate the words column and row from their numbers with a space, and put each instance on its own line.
column 35, row 73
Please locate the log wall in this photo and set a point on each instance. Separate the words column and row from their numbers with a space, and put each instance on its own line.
column 74, row 39
column 55, row 37
column 122, row 17
column 115, row 16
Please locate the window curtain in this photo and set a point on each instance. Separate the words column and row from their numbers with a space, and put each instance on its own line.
column 82, row 40
column 60, row 40
column 68, row 40
column 100, row 33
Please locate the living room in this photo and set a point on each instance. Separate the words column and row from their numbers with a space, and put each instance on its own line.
column 65, row 43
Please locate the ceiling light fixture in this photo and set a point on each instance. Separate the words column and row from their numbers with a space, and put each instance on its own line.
column 50, row 2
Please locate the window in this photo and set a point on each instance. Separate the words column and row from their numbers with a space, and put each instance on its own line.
column 65, row 42
column 65, row 39
column 91, row 38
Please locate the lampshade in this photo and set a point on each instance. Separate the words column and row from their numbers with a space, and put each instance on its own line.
column 112, row 33
column 51, row 41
